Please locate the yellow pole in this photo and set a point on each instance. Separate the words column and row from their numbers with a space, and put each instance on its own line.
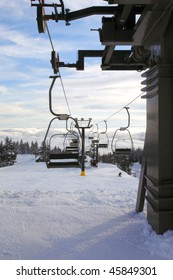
column 82, row 173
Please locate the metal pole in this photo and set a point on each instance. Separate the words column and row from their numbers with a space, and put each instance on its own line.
column 83, row 152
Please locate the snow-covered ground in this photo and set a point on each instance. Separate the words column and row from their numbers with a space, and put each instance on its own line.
column 58, row 214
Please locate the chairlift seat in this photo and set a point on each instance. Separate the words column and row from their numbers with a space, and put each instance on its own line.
column 103, row 145
column 123, row 151
column 63, row 164
column 64, row 156
column 63, row 160
column 75, row 141
column 75, row 145
column 95, row 141
column 72, row 149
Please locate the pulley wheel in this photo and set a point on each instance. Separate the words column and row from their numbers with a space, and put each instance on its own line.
column 41, row 24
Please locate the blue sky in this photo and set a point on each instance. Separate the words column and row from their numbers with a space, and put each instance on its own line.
column 25, row 69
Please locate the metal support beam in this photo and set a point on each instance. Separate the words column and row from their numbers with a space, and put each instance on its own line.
column 157, row 24
column 95, row 10
column 112, row 60
column 87, row 53
column 125, row 14
column 108, row 52
column 120, row 61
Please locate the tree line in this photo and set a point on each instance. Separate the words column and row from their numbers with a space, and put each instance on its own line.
column 10, row 149
column 124, row 162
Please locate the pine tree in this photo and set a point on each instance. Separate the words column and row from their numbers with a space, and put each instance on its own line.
column 40, row 155
column 21, row 148
column 27, row 148
column 123, row 162
column 17, row 147
column 34, row 148
column 2, row 154
column 8, row 152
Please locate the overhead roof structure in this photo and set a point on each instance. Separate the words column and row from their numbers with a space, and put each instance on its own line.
column 138, row 24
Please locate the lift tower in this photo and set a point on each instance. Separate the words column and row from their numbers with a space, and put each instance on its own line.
column 146, row 26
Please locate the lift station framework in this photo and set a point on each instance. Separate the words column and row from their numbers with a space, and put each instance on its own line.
column 146, row 26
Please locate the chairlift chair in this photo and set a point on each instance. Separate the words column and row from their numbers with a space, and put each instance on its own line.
column 93, row 135
column 122, row 146
column 63, row 158
column 94, row 150
column 126, row 146
column 103, row 139
column 72, row 142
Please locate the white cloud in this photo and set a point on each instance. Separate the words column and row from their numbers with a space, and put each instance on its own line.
column 3, row 89
column 25, row 69
column 17, row 44
column 26, row 134
column 76, row 4
column 19, row 9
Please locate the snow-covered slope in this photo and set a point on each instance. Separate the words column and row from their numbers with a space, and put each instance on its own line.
column 57, row 214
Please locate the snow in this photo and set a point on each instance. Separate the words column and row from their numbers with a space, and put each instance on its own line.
column 49, row 214
column 136, row 168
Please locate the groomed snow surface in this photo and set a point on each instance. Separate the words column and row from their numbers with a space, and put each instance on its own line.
column 56, row 214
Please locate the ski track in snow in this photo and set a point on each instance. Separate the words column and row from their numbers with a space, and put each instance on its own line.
column 57, row 214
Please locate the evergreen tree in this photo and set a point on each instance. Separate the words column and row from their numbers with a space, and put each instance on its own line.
column 40, row 155
column 17, row 146
column 7, row 152
column 21, row 148
column 27, row 148
column 2, row 155
column 123, row 162
column 34, row 148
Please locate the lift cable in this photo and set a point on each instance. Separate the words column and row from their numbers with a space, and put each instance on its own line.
column 53, row 49
column 121, row 108
column 65, row 95
column 47, row 28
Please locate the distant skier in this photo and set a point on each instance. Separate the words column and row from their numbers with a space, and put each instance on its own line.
column 119, row 175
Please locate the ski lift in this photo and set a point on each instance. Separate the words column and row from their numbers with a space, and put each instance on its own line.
column 60, row 116
column 94, row 153
column 92, row 150
column 103, row 138
column 71, row 142
column 93, row 135
column 58, row 153
column 73, row 136
column 68, row 155
column 122, row 146
column 62, row 158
